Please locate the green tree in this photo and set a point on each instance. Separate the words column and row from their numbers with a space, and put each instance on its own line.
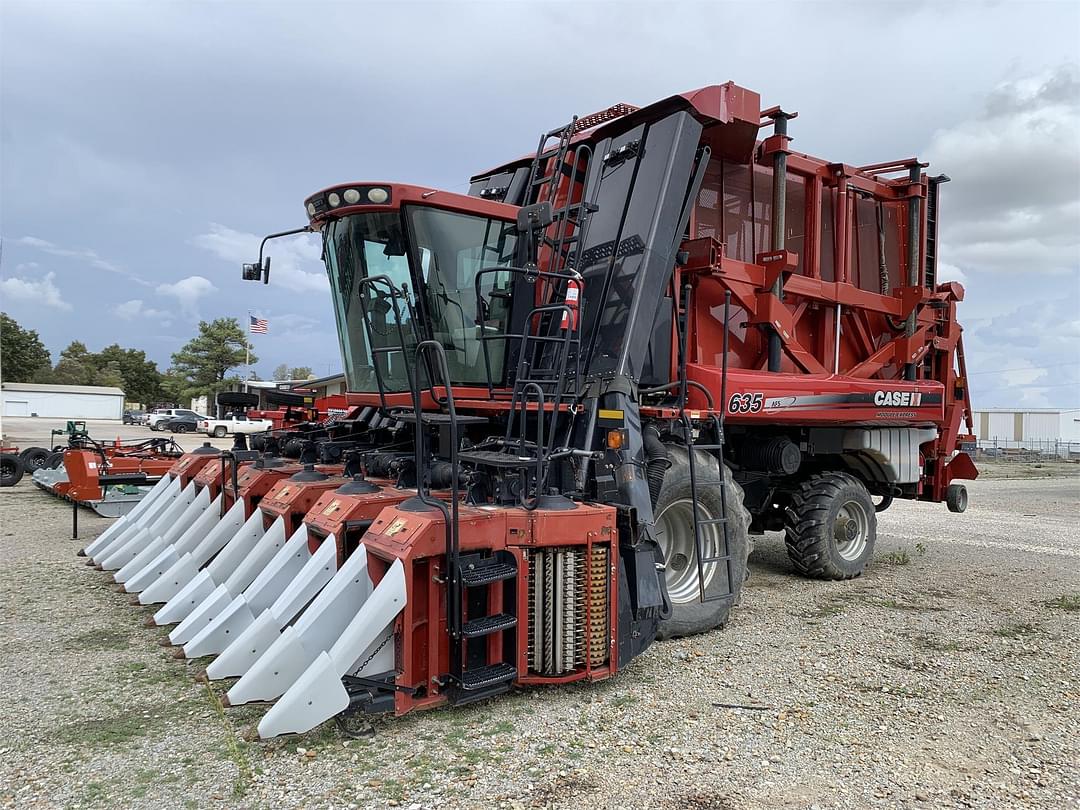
column 76, row 350
column 207, row 358
column 301, row 373
column 21, row 351
column 281, row 372
column 72, row 371
column 173, row 387
column 141, row 378
column 110, row 375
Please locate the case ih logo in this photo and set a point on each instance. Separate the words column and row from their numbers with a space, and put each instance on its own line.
column 898, row 399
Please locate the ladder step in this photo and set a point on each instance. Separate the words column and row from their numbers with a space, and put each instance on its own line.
column 712, row 522
column 707, row 446
column 489, row 675
column 705, row 560
column 486, row 625
column 485, row 575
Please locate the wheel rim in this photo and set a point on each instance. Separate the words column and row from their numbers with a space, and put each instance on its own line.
column 851, row 529
column 675, row 533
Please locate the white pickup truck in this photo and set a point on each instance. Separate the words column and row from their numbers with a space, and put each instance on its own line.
column 233, row 423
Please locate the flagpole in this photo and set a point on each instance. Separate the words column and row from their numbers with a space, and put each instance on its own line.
column 247, row 348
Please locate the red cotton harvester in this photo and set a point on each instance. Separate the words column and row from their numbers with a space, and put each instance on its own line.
column 574, row 394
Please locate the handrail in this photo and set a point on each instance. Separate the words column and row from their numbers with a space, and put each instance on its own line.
column 451, row 515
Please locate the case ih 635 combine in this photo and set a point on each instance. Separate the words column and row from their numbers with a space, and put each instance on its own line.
column 576, row 393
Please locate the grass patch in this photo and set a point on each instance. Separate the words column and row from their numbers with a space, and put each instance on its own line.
column 622, row 700
column 235, row 748
column 502, row 727
column 122, row 728
column 94, row 793
column 825, row 610
column 898, row 557
column 1069, row 602
column 1015, row 630
column 100, row 639
column 896, row 604
column 936, row 644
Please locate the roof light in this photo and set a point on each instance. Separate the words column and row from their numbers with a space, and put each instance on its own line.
column 333, row 199
column 311, row 209
column 352, row 196
column 377, row 195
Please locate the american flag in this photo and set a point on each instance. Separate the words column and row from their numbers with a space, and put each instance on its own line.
column 258, row 326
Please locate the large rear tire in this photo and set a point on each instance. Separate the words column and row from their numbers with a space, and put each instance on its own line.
column 11, row 469
column 831, row 526
column 55, row 460
column 220, row 432
column 675, row 532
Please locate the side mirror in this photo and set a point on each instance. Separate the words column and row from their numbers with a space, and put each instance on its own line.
column 258, row 271
column 534, row 217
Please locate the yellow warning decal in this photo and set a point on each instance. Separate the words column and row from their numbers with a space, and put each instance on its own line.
column 607, row 413
column 284, row 492
column 396, row 527
column 333, row 507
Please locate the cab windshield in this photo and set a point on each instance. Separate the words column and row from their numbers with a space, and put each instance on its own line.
column 433, row 272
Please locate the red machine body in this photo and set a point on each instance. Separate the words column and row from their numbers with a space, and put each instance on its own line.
column 581, row 537
column 292, row 500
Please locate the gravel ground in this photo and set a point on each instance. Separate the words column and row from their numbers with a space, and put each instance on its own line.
column 947, row 676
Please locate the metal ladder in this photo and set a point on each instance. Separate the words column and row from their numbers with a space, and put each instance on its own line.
column 461, row 574
column 716, row 449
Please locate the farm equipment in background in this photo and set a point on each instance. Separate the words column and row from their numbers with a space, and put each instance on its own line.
column 574, row 395
column 109, row 478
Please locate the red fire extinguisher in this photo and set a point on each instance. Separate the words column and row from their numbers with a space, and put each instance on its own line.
column 573, row 294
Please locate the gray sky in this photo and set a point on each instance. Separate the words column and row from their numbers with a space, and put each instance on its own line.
column 146, row 147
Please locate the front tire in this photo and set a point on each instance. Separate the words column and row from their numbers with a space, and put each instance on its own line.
column 831, row 526
column 675, row 532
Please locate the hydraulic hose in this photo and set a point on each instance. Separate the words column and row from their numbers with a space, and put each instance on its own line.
column 656, row 461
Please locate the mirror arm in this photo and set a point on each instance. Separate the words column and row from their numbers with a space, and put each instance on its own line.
column 264, row 267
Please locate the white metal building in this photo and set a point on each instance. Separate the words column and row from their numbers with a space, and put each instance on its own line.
column 61, row 401
column 1030, row 424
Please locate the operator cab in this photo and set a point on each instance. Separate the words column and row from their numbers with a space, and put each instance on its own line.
column 410, row 259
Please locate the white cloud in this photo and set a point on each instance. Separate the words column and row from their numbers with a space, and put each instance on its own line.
column 134, row 309
column 290, row 256
column 42, row 292
column 187, row 292
column 1014, row 203
column 82, row 254
column 950, row 272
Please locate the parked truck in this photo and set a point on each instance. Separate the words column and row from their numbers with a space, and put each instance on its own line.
column 576, row 393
